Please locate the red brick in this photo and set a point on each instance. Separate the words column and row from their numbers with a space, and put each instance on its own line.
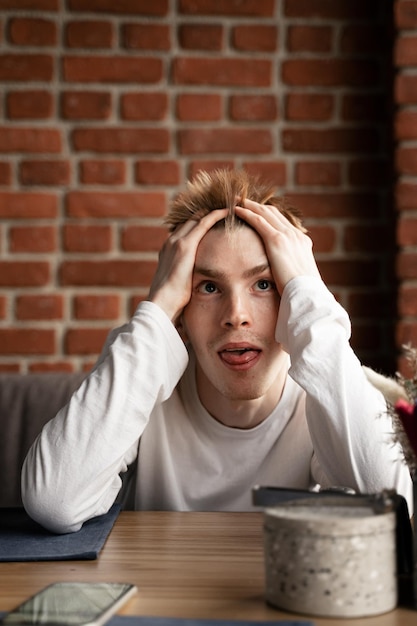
column 24, row 274
column 226, row 141
column 10, row 367
column 359, row 107
column 118, row 205
column 39, row 307
column 255, row 38
column 103, row 172
column 121, row 140
column 100, row 307
column 405, row 52
column 84, row 238
column 5, row 173
column 146, row 36
column 91, row 34
column 405, row 196
column 113, row 273
column 405, row 125
column 309, row 38
column 45, row 172
column 192, row 107
column 407, row 301
column 133, row 304
column 314, row 106
column 3, row 305
column 85, row 340
column 26, row 341
column 405, row 13
column 17, row 205
column 222, row 72
column 37, row 5
column 256, row 8
column 118, row 69
column 33, row 239
column 324, row 238
column 85, row 105
column 329, row 72
column 269, row 171
column 26, row 67
column 406, row 265
column 208, row 165
column 253, row 108
column 407, row 232
column 34, row 104
column 324, row 173
column 405, row 87
column 143, row 238
column 350, row 205
column 144, row 106
column 328, row 9
column 30, row 140
column 32, row 32
column 330, row 140
column 406, row 160
column 124, row 7
column 406, row 333
column 157, row 172
column 54, row 366
column 201, row 36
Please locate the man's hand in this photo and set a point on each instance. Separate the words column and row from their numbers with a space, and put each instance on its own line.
column 289, row 250
column 172, row 283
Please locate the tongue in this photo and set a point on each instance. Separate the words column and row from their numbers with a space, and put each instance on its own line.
column 237, row 357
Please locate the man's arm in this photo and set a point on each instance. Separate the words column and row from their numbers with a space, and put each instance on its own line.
column 351, row 433
column 71, row 472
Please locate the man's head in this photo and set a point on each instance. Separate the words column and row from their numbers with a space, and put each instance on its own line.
column 221, row 189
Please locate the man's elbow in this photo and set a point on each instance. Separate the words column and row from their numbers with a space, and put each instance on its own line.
column 55, row 517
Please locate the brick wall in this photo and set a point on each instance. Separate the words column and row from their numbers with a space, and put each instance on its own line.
column 405, row 135
column 107, row 107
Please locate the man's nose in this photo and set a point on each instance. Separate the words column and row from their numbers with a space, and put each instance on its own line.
column 236, row 311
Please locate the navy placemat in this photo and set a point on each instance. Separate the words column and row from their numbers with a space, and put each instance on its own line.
column 22, row 539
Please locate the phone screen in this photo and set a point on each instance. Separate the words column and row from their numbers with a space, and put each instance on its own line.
column 71, row 604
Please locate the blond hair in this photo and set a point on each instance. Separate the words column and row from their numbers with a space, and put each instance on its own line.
column 223, row 188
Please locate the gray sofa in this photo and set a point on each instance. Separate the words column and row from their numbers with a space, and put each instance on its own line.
column 27, row 402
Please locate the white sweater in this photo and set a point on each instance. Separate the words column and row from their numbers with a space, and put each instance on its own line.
column 141, row 403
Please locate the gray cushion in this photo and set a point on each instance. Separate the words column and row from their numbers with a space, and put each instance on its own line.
column 27, row 402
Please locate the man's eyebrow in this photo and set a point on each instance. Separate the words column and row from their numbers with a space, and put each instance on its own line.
column 219, row 275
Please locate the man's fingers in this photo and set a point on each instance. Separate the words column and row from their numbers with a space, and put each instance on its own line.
column 199, row 226
column 269, row 213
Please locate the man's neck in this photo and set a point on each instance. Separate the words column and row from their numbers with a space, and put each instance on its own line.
column 241, row 413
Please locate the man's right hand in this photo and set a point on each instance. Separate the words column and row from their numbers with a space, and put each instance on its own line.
column 172, row 283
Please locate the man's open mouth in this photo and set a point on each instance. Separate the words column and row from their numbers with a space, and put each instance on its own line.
column 239, row 355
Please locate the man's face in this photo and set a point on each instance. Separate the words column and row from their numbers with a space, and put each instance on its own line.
column 231, row 318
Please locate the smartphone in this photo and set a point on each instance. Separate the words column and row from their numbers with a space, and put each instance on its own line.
column 77, row 604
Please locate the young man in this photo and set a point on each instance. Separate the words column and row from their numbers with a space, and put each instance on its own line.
column 236, row 371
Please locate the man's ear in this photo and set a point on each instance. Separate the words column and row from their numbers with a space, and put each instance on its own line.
column 179, row 325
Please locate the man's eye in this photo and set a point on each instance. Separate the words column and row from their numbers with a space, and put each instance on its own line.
column 207, row 287
column 264, row 285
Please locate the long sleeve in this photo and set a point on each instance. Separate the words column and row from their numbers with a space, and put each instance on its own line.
column 346, row 416
column 72, row 471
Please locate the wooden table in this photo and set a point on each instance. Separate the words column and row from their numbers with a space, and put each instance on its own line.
column 196, row 565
